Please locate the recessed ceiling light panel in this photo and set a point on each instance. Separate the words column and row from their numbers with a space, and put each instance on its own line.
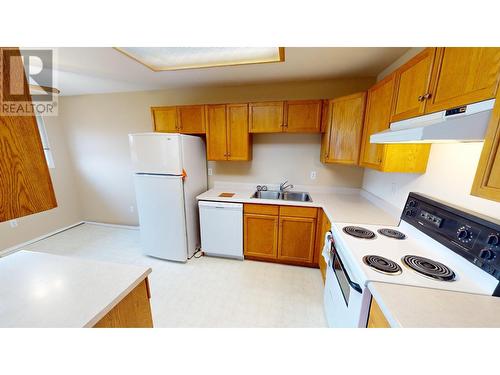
column 177, row 58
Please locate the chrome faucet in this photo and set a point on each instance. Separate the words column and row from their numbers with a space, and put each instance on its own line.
column 285, row 185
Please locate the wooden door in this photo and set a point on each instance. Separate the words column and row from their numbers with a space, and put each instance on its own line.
column 266, row 117
column 378, row 111
column 303, row 116
column 462, row 76
column 260, row 236
column 25, row 184
column 487, row 180
column 165, row 119
column 238, row 138
column 412, row 86
column 376, row 318
column 191, row 119
column 326, row 124
column 216, row 132
column 324, row 226
column 296, row 239
column 346, row 129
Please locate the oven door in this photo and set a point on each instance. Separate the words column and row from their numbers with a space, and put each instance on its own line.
column 346, row 302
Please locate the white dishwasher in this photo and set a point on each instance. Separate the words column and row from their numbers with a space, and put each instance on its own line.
column 221, row 226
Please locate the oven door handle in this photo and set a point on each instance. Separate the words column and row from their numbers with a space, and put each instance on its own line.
column 353, row 285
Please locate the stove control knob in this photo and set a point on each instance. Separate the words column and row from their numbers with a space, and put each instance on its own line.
column 463, row 234
column 411, row 203
column 408, row 212
column 487, row 254
column 493, row 240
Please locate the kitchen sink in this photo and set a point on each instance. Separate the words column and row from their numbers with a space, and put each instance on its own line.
column 297, row 196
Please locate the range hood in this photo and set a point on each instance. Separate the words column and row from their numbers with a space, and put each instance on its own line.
column 462, row 124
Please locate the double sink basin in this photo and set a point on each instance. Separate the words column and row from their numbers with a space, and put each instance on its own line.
column 297, row 196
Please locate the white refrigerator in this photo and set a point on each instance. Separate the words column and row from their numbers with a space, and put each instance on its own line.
column 170, row 170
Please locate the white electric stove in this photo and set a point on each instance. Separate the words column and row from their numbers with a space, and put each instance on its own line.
column 434, row 246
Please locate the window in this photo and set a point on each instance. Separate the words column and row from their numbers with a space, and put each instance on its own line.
column 45, row 141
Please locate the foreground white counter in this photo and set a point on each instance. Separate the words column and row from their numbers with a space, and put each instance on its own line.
column 45, row 290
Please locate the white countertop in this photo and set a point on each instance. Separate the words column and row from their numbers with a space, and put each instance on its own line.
column 45, row 290
column 415, row 307
column 340, row 205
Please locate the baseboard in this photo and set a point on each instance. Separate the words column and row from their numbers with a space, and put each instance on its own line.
column 15, row 248
column 131, row 227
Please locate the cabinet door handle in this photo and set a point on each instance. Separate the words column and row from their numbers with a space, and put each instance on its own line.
column 427, row 96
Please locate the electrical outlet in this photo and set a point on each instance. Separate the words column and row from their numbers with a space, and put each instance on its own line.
column 313, row 175
column 13, row 223
column 132, row 209
column 210, row 171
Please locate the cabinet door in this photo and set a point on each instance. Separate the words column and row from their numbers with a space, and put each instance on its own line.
column 377, row 116
column 238, row 139
column 216, row 132
column 266, row 117
column 260, row 236
column 346, row 129
column 487, row 181
column 462, row 76
column 296, row 239
column 25, row 184
column 165, row 119
column 302, row 116
column 412, row 86
column 326, row 122
column 376, row 318
column 191, row 119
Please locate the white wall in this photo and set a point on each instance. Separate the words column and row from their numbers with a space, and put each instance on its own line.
column 450, row 172
column 68, row 208
column 97, row 128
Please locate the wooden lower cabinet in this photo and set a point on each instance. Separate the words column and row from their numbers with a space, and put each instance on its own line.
column 260, row 237
column 324, row 225
column 376, row 318
column 133, row 311
column 296, row 239
column 284, row 234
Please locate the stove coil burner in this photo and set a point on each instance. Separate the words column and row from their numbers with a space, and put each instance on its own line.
column 359, row 232
column 429, row 268
column 382, row 265
column 392, row 233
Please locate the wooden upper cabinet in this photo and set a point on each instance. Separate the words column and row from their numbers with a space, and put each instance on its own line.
column 238, row 139
column 216, row 132
column 302, row 116
column 25, row 184
column 296, row 239
column 463, row 75
column 412, row 86
column 402, row 158
column 341, row 143
column 227, row 132
column 378, row 113
column 191, row 119
column 165, row 119
column 487, row 181
column 266, row 117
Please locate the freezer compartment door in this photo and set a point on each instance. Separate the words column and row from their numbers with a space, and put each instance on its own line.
column 156, row 153
column 160, row 205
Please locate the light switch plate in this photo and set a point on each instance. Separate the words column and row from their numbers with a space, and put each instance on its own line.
column 313, row 175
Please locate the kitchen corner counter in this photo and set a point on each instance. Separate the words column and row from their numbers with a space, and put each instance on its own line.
column 342, row 206
column 416, row 307
column 45, row 290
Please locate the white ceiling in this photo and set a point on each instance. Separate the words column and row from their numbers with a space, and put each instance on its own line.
column 83, row 70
